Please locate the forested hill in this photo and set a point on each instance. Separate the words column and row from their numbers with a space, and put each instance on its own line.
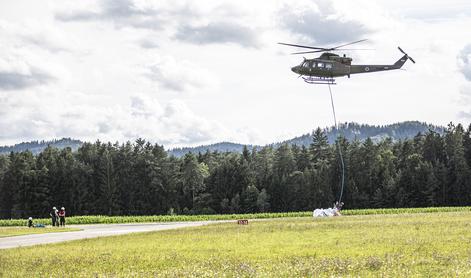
column 351, row 131
column 220, row 147
column 38, row 146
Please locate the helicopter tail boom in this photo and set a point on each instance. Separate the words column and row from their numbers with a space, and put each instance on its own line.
column 373, row 68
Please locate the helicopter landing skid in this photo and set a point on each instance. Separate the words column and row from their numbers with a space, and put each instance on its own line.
column 319, row 80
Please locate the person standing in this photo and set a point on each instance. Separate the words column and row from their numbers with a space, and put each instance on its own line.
column 62, row 217
column 54, row 216
column 30, row 222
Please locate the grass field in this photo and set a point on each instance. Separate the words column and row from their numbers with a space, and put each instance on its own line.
column 19, row 231
column 101, row 219
column 402, row 245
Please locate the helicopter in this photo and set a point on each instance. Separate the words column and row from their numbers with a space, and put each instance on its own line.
column 323, row 69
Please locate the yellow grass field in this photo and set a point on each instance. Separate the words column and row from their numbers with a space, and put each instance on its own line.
column 403, row 245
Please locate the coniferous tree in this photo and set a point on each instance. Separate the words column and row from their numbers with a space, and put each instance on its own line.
column 459, row 172
column 193, row 176
column 107, row 183
column 319, row 147
column 5, row 198
column 263, row 201
column 249, row 199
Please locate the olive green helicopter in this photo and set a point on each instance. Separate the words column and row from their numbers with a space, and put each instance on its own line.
column 323, row 69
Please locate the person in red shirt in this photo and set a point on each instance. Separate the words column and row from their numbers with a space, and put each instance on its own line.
column 62, row 216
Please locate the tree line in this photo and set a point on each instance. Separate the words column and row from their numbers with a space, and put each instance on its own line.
column 140, row 178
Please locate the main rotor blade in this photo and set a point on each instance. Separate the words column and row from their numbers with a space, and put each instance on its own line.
column 330, row 50
column 350, row 43
column 307, row 52
column 303, row 46
column 353, row 49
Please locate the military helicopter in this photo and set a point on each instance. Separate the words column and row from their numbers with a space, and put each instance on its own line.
column 323, row 69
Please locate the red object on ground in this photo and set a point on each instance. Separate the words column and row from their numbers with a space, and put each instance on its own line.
column 243, row 222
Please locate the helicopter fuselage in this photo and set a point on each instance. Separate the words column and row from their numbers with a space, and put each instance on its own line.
column 331, row 65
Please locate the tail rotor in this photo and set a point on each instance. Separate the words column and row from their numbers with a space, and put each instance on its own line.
column 408, row 57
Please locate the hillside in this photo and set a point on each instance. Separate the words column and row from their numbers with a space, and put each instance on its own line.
column 37, row 146
column 220, row 147
column 351, row 131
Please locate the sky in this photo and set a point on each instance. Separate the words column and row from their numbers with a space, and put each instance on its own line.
column 186, row 73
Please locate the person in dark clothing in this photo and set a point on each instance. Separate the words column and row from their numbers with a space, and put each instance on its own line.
column 62, row 217
column 30, row 222
column 54, row 216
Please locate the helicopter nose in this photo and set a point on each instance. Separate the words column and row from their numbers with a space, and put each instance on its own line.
column 295, row 69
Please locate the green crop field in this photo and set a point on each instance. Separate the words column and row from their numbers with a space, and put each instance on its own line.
column 393, row 245
column 19, row 231
column 101, row 219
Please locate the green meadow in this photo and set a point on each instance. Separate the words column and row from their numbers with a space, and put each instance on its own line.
column 103, row 219
column 390, row 245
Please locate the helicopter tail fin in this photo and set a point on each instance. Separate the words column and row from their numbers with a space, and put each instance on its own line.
column 401, row 61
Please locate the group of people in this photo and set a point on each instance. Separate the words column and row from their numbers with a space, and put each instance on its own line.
column 57, row 216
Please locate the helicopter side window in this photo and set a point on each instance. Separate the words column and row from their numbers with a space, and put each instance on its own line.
column 328, row 66
column 320, row 65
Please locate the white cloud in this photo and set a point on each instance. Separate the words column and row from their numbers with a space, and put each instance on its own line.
column 178, row 75
column 218, row 32
column 48, row 115
column 318, row 22
column 184, row 17
column 18, row 71
column 464, row 61
column 29, row 54
column 465, row 101
column 37, row 35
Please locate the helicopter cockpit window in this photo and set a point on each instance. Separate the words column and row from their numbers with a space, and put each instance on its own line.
column 320, row 65
column 328, row 66
column 305, row 64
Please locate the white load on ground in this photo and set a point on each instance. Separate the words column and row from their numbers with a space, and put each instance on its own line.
column 328, row 212
column 335, row 211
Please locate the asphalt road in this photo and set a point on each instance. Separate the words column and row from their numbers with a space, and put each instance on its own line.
column 92, row 231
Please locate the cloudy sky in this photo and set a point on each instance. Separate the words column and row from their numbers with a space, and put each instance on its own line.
column 183, row 73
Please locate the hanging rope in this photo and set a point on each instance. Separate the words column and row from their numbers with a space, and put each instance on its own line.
column 339, row 147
